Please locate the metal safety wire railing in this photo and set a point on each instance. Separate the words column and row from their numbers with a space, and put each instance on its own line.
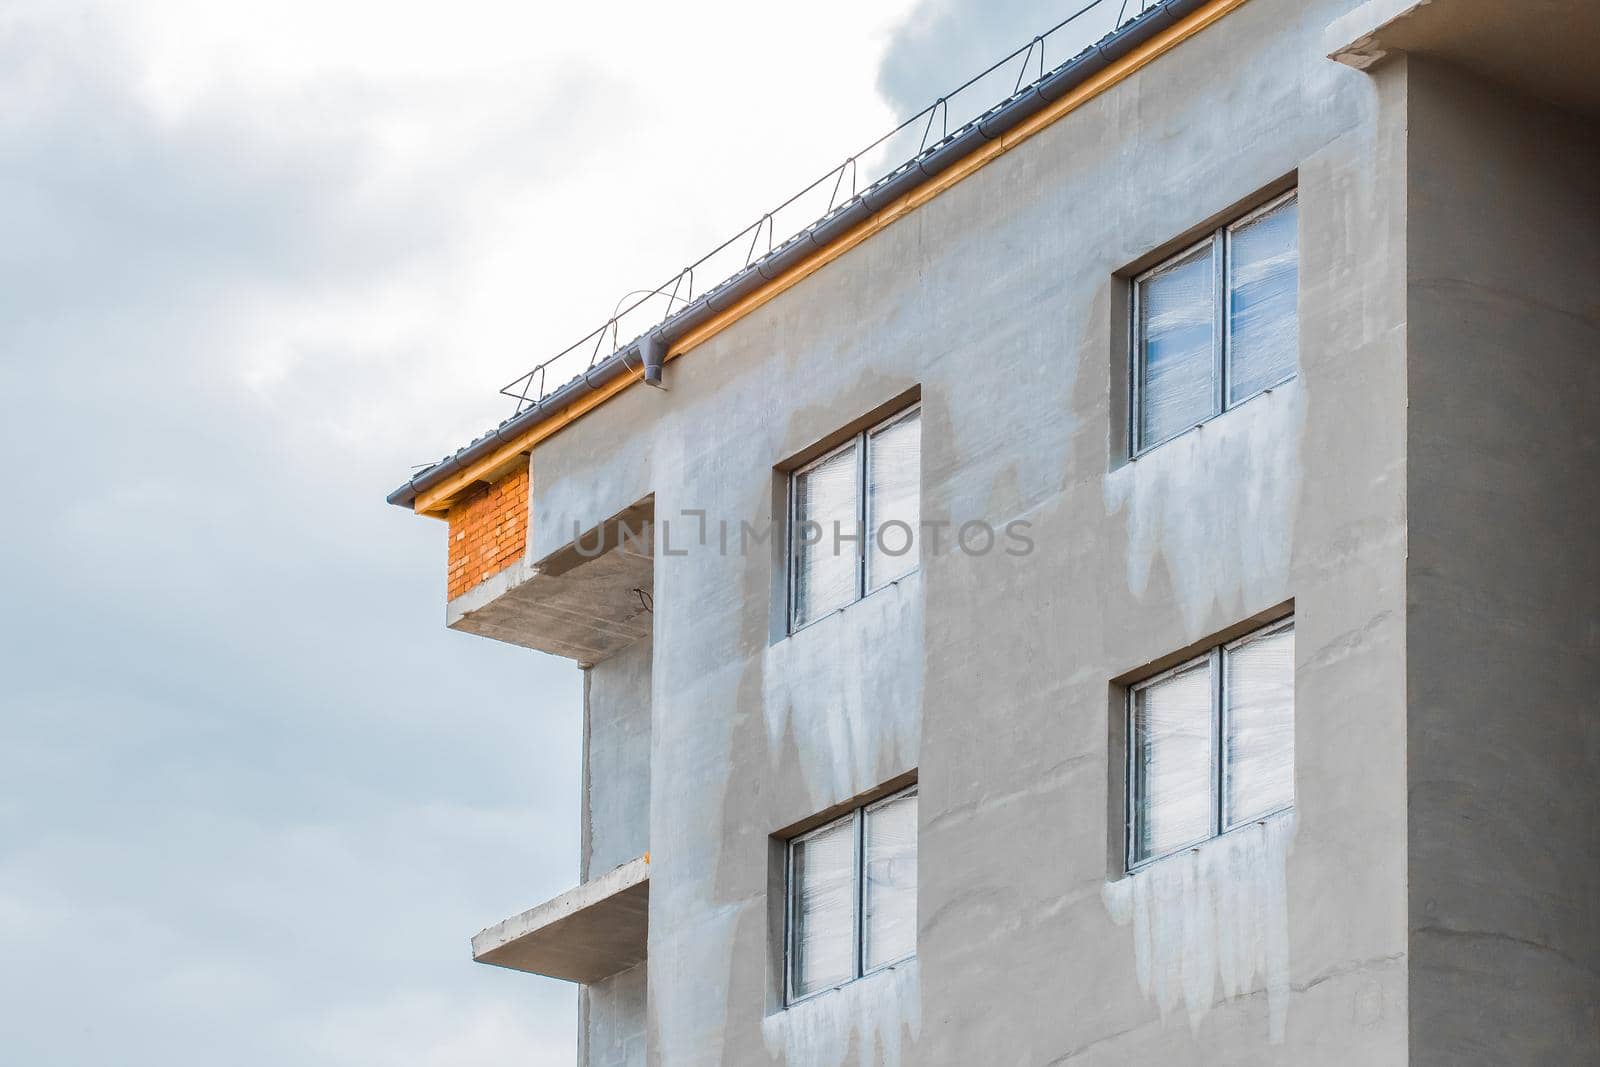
column 900, row 149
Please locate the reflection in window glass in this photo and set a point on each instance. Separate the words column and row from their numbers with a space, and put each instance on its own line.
column 1178, row 359
column 1246, row 276
column 1263, row 288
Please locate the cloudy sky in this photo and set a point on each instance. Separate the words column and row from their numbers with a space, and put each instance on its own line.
column 256, row 260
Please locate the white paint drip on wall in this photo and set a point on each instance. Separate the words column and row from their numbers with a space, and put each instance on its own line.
column 849, row 690
column 1218, row 503
column 874, row 1015
column 1216, row 914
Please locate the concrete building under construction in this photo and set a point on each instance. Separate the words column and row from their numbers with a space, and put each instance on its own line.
column 1115, row 582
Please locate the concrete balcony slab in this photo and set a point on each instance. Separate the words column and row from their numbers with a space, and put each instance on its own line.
column 585, row 601
column 585, row 935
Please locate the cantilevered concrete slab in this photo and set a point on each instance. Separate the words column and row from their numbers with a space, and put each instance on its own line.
column 1540, row 48
column 585, row 935
column 584, row 601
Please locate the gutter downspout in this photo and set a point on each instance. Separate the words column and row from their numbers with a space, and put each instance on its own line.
column 653, row 353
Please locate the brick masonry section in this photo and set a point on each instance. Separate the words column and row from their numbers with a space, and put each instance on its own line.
column 488, row 532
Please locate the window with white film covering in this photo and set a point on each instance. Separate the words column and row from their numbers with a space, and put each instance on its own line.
column 822, row 868
column 852, row 896
column 1211, row 744
column 893, row 499
column 1217, row 324
column 825, row 493
column 889, row 881
column 854, row 515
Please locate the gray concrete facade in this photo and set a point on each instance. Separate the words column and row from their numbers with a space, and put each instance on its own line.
column 1421, row 496
column 616, row 829
column 1503, row 629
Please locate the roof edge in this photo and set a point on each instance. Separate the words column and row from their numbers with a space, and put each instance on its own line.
column 1033, row 107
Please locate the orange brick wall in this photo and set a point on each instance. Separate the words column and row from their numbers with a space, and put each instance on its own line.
column 488, row 532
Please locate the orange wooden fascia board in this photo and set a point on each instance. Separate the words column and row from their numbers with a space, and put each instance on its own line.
column 437, row 500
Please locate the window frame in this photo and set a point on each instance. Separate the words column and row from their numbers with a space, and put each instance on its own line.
column 861, row 878
column 1224, row 714
column 1216, row 657
column 858, row 819
column 1220, row 243
column 857, row 442
column 861, row 441
column 869, row 512
column 1212, row 658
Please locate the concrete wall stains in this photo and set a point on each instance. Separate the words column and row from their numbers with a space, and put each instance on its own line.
column 1214, row 920
column 870, row 1023
column 1422, row 494
column 990, row 676
column 843, row 699
column 1216, row 506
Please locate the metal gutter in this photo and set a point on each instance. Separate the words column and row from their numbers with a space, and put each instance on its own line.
column 644, row 354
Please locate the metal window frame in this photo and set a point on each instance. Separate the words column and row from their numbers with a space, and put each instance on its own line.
column 1226, row 303
column 1225, row 819
column 1137, row 367
column 862, row 443
column 858, row 817
column 792, row 900
column 795, row 626
column 1217, row 657
column 1220, row 243
column 1133, row 862
column 861, row 908
column 869, row 513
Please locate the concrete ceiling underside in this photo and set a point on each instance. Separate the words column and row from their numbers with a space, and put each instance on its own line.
column 585, row 601
column 1540, row 48
column 586, row 935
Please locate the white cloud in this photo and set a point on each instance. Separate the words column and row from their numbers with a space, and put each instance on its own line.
column 259, row 258
column 547, row 158
column 253, row 798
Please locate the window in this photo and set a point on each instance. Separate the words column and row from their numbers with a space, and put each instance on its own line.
column 1211, row 744
column 852, row 896
column 1217, row 324
column 853, row 518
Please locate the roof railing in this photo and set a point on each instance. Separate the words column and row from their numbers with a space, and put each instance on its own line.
column 895, row 152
